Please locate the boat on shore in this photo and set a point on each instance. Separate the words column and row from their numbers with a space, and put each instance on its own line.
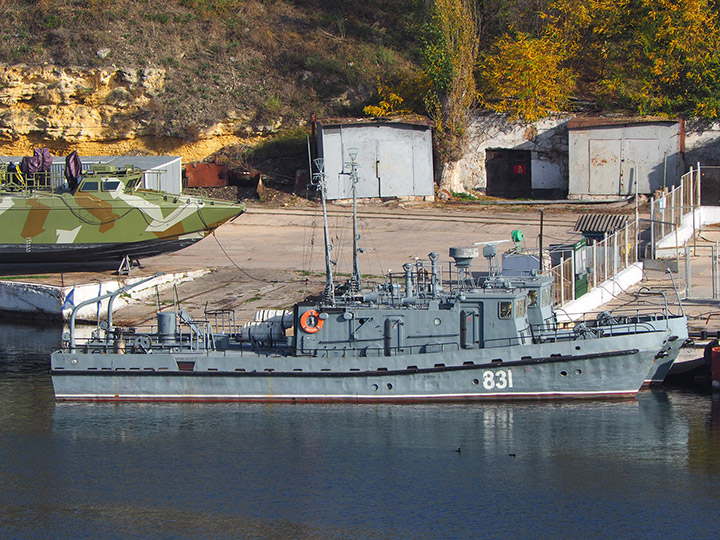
column 98, row 215
column 430, row 333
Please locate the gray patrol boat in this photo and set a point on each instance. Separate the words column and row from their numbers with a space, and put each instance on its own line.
column 642, row 309
column 430, row 333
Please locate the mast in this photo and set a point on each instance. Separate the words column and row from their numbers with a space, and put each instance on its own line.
column 355, row 280
column 319, row 180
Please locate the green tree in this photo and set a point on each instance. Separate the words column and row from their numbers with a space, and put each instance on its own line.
column 449, row 54
column 674, row 66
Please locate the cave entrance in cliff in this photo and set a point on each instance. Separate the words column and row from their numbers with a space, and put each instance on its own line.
column 508, row 173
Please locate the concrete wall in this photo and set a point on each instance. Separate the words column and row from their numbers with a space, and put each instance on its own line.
column 617, row 159
column 546, row 140
column 702, row 143
column 36, row 301
column 394, row 159
column 602, row 294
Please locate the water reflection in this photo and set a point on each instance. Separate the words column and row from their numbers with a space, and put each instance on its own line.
column 25, row 349
column 548, row 470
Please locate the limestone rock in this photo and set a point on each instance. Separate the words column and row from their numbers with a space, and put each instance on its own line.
column 75, row 105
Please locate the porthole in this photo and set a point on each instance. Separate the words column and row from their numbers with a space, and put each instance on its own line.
column 476, row 382
column 389, row 386
column 437, row 321
column 563, row 373
column 578, row 372
column 375, row 387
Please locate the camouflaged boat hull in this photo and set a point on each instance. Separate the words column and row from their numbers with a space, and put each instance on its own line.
column 83, row 227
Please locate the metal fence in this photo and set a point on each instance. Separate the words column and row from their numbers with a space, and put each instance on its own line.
column 668, row 209
column 591, row 265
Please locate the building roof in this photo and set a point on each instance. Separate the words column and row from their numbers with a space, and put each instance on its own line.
column 411, row 119
column 141, row 162
column 583, row 122
column 600, row 223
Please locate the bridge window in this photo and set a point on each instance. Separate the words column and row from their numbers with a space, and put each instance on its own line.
column 89, row 186
column 532, row 298
column 110, row 185
column 505, row 310
column 546, row 297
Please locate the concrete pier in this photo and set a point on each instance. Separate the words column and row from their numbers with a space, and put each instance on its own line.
column 274, row 257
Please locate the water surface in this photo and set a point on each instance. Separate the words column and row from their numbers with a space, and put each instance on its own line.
column 631, row 469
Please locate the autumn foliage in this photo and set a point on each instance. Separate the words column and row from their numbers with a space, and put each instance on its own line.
column 532, row 58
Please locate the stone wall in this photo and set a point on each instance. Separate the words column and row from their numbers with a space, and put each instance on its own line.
column 702, row 143
column 546, row 140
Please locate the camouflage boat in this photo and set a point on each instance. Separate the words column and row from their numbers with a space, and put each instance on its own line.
column 101, row 214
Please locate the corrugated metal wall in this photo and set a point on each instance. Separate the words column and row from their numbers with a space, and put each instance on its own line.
column 618, row 159
column 394, row 159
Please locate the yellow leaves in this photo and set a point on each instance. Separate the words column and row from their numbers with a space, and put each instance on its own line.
column 390, row 103
column 524, row 77
column 708, row 110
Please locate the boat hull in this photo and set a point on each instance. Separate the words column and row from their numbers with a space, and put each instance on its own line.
column 75, row 253
column 679, row 335
column 577, row 369
column 66, row 228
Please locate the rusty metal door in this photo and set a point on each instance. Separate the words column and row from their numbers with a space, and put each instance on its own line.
column 604, row 176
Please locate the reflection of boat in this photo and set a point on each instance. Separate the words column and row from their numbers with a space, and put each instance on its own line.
column 429, row 333
column 102, row 214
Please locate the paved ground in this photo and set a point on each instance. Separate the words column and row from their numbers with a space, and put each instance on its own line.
column 273, row 257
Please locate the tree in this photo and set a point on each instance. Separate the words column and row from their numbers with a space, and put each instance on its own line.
column 524, row 77
column 674, row 67
column 449, row 54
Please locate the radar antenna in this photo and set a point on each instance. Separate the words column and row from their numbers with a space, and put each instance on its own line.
column 490, row 253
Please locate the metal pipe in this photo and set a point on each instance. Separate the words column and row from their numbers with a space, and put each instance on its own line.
column 434, row 274
column 112, row 295
column 542, row 216
column 408, row 281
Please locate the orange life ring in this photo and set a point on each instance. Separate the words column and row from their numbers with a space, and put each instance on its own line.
column 315, row 322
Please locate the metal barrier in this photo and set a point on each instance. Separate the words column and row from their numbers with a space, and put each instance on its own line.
column 669, row 208
column 598, row 262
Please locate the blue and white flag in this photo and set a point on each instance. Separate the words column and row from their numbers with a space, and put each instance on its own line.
column 69, row 302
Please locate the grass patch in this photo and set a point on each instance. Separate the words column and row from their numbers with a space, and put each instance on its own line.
column 464, row 196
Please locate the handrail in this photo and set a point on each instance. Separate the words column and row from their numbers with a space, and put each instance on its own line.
column 100, row 298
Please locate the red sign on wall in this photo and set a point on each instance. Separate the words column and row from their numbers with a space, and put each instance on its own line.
column 519, row 169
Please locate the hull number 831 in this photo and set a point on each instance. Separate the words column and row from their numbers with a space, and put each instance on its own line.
column 499, row 379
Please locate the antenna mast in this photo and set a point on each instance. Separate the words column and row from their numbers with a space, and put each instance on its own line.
column 318, row 179
column 355, row 280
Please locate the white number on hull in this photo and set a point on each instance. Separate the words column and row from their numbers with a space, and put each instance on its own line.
column 499, row 379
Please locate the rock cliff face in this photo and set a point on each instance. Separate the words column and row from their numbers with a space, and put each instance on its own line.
column 96, row 111
column 74, row 105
